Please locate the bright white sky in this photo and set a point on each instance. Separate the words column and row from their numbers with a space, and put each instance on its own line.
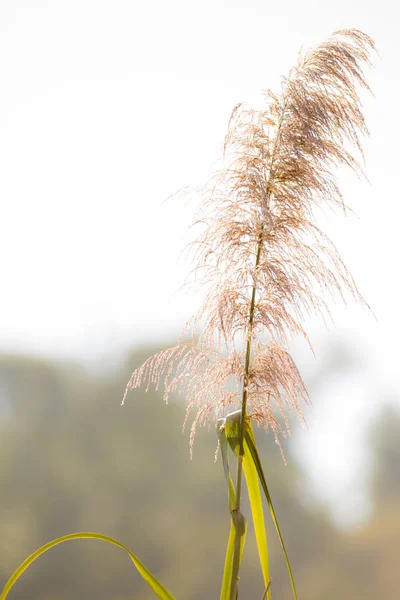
column 107, row 108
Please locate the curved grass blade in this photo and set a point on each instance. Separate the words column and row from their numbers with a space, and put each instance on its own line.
column 238, row 527
column 155, row 585
column 251, row 445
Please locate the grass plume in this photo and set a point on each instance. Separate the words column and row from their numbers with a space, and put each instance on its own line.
column 265, row 264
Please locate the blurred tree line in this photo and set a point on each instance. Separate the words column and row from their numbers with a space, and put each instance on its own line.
column 71, row 459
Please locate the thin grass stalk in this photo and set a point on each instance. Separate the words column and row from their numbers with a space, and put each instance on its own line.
column 267, row 590
column 236, row 557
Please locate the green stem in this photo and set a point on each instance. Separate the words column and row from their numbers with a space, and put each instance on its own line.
column 236, row 555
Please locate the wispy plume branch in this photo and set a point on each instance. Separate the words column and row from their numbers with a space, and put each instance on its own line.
column 265, row 264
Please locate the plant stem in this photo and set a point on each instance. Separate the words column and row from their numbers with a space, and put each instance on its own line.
column 267, row 590
column 236, row 555
column 246, row 380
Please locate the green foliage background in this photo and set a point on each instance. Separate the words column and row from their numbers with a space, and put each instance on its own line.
column 72, row 459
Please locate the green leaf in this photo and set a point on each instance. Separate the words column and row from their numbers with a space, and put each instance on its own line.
column 155, row 585
column 237, row 535
column 253, row 488
column 257, row 512
column 238, row 527
column 250, row 443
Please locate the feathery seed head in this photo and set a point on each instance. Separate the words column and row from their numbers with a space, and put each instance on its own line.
column 265, row 263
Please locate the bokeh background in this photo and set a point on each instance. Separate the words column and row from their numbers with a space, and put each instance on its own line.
column 107, row 108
